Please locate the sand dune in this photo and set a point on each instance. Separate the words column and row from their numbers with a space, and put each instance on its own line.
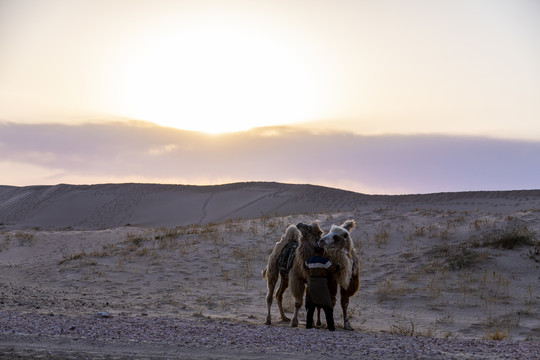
column 95, row 207
column 433, row 285
column 113, row 205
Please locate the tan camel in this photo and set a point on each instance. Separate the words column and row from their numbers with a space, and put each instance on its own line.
column 272, row 271
column 298, row 276
column 339, row 249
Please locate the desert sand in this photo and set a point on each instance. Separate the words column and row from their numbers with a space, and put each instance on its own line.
column 156, row 271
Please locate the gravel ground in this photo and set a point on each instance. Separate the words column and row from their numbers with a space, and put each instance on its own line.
column 104, row 336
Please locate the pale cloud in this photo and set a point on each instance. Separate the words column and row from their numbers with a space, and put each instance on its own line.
column 93, row 153
column 162, row 149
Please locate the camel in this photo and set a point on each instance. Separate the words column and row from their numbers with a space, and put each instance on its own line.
column 339, row 249
column 272, row 271
column 298, row 276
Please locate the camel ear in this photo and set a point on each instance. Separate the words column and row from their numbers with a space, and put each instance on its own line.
column 349, row 225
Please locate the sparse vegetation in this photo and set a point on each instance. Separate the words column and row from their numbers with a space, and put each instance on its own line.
column 499, row 329
column 419, row 230
column 382, row 235
column 72, row 257
column 25, row 238
column 387, row 289
column 402, row 326
column 457, row 257
column 495, row 334
column 6, row 241
column 508, row 237
column 463, row 259
column 429, row 262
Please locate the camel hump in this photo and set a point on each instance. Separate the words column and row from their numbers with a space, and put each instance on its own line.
column 292, row 234
column 286, row 257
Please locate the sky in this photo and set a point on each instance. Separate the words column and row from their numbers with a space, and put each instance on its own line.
column 372, row 96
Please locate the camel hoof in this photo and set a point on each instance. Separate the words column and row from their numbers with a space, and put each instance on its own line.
column 348, row 327
column 294, row 323
column 285, row 319
column 267, row 322
column 318, row 324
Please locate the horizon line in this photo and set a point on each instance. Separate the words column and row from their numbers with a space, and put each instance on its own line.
column 262, row 182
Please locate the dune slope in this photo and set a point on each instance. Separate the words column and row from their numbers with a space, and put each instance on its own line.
column 88, row 207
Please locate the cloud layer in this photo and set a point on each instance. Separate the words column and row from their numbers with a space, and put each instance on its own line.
column 124, row 152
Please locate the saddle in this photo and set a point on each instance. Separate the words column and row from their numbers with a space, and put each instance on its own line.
column 286, row 257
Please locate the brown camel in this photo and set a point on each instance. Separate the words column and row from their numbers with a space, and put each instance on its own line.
column 298, row 276
column 339, row 249
column 273, row 270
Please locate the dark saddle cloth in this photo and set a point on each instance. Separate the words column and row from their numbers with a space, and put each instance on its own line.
column 286, row 257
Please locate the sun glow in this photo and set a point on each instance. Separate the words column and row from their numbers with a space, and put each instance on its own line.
column 217, row 78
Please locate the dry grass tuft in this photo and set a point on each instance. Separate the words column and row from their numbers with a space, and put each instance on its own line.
column 508, row 237
column 402, row 326
column 25, row 238
column 387, row 289
column 457, row 257
column 495, row 334
column 382, row 235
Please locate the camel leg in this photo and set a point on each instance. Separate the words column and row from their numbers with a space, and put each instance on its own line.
column 297, row 306
column 272, row 280
column 344, row 306
column 319, row 323
column 297, row 287
column 283, row 285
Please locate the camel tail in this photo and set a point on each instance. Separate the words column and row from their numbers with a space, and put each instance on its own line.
column 264, row 272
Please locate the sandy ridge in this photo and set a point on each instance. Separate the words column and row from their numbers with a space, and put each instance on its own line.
column 113, row 205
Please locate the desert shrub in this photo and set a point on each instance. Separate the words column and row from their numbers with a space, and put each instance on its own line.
column 381, row 236
column 386, row 289
column 135, row 239
column 25, row 238
column 444, row 234
column 167, row 233
column 508, row 237
column 462, row 259
column 481, row 223
column 456, row 257
column 143, row 251
column 499, row 329
column 419, row 230
column 5, row 243
column 71, row 257
column 495, row 334
column 209, row 228
column 402, row 326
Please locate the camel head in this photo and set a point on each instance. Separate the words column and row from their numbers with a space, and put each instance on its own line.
column 339, row 236
column 310, row 233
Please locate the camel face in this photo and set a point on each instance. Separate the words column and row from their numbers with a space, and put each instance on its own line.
column 339, row 236
column 310, row 233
